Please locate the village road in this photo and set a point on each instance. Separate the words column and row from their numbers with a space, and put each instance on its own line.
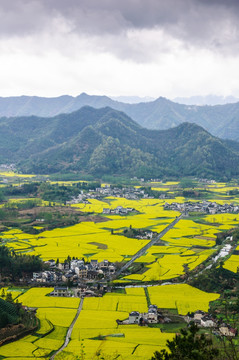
column 146, row 247
column 69, row 331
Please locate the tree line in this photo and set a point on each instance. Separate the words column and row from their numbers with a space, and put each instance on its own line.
column 15, row 266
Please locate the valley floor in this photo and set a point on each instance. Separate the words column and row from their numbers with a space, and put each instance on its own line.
column 179, row 255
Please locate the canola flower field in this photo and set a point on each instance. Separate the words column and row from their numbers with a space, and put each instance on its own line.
column 105, row 240
column 95, row 240
column 101, row 240
column 189, row 243
column 96, row 331
column 55, row 315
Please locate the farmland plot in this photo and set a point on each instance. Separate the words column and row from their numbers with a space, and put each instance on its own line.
column 55, row 315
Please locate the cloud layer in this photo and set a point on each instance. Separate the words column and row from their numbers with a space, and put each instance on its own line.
column 177, row 43
column 211, row 24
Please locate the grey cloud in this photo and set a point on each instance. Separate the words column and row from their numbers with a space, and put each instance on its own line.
column 207, row 23
column 22, row 17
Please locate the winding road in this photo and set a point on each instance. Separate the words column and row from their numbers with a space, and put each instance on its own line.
column 146, row 247
column 69, row 331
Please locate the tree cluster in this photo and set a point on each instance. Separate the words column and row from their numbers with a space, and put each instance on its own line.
column 15, row 266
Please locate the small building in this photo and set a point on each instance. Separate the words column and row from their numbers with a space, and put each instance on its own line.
column 51, row 263
column 207, row 321
column 134, row 317
column 153, row 308
column 36, row 275
column 76, row 263
column 227, row 330
column 106, row 211
column 61, row 291
column 80, row 291
column 92, row 274
column 198, row 315
column 81, row 271
column 94, row 264
column 151, row 317
column 111, row 269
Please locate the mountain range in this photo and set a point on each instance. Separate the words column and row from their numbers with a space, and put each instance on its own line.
column 106, row 141
column 132, row 99
column 220, row 120
column 206, row 100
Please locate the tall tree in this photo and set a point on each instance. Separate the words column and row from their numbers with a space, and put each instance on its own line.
column 188, row 345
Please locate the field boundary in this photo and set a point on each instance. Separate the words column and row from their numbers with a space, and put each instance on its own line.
column 69, row 331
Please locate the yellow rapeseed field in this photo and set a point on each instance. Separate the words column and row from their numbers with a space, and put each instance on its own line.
column 232, row 263
column 182, row 297
column 93, row 325
column 36, row 297
column 95, row 240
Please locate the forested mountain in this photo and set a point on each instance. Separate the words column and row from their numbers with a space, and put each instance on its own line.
column 220, row 120
column 105, row 141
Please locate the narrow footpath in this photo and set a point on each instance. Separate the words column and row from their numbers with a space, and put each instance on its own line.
column 146, row 247
column 69, row 331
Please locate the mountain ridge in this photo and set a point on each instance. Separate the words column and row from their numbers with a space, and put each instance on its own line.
column 220, row 120
column 106, row 141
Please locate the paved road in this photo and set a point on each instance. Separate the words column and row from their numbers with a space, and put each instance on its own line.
column 146, row 247
column 190, row 277
column 69, row 331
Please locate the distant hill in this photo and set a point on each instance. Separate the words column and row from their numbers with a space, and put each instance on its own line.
column 105, row 141
column 46, row 107
column 206, row 100
column 220, row 120
column 132, row 99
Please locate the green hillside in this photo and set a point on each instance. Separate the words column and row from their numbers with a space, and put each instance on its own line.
column 219, row 120
column 8, row 313
column 106, row 141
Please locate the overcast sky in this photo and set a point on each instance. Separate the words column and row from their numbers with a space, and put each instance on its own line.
column 119, row 47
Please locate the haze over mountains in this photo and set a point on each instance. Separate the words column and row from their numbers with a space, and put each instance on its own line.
column 106, row 141
column 132, row 99
column 206, row 100
column 220, row 120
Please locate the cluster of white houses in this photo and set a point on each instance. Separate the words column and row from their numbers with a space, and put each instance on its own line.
column 204, row 207
column 82, row 290
column 74, row 270
column 153, row 316
column 126, row 192
column 202, row 319
column 119, row 210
